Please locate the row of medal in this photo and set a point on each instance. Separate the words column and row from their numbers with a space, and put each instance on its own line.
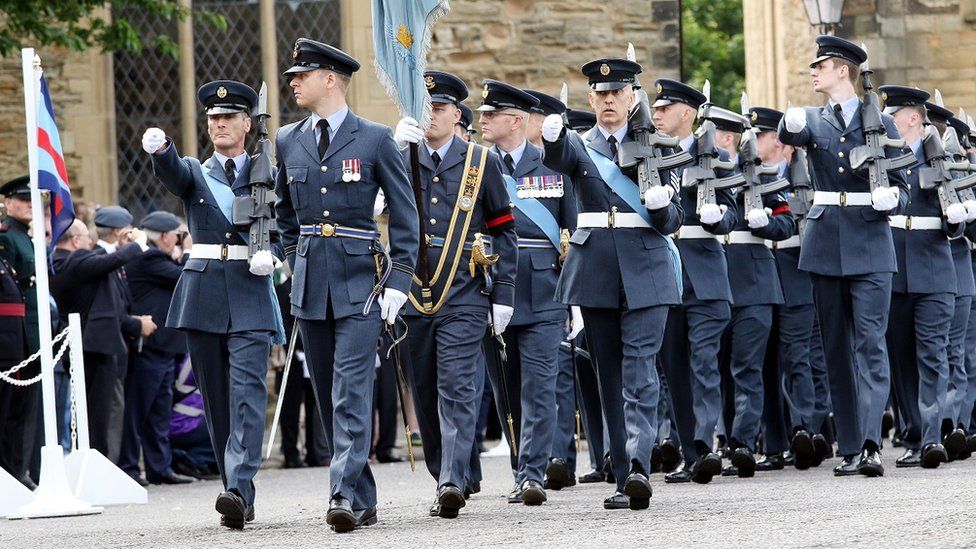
column 351, row 170
column 543, row 186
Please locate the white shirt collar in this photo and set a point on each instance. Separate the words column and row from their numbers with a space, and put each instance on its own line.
column 916, row 145
column 516, row 153
column 238, row 161
column 686, row 143
column 619, row 134
column 442, row 151
column 335, row 120
column 110, row 248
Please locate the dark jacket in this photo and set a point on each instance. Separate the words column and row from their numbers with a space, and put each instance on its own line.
column 152, row 279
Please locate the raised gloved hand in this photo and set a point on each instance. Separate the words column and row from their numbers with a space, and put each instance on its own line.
column 970, row 210
column 407, row 131
column 712, row 213
column 956, row 213
column 153, row 140
column 757, row 219
column 658, row 197
column 795, row 119
column 574, row 324
column 884, row 199
column 552, row 128
column 501, row 315
column 262, row 263
column 391, row 301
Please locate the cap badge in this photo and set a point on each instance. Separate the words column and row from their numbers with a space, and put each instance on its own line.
column 429, row 82
column 485, row 92
column 294, row 52
column 605, row 69
column 404, row 37
column 884, row 96
column 221, row 92
column 660, row 88
column 754, row 116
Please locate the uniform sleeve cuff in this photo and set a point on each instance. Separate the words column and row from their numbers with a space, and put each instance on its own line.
column 503, row 293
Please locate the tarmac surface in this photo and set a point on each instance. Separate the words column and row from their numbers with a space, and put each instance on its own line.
column 790, row 508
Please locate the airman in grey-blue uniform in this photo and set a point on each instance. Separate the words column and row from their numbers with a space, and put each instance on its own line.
column 331, row 166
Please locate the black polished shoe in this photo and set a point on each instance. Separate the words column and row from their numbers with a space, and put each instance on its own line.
column 293, row 463
column 896, row 441
column 592, row 476
column 450, row 499
column 706, row 467
column 140, row 480
column 340, row 516
column 233, row 510
column 870, row 464
column 954, row 442
column 911, row 458
column 435, row 509
column 471, row 488
column 822, row 450
column 188, row 469
column 558, row 475
column 772, row 462
column 608, row 470
column 971, row 443
column 680, row 475
column 533, row 493
column 515, row 495
column 617, row 501
column 744, row 462
column 730, row 471
column 847, row 467
column 170, row 478
column 670, row 455
column 803, row 448
column 789, row 460
column 638, row 489
column 366, row 517
column 389, row 457
column 933, row 455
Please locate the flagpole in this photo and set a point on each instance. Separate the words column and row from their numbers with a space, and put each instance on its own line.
column 53, row 496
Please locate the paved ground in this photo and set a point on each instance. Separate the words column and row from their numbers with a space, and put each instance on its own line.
column 906, row 508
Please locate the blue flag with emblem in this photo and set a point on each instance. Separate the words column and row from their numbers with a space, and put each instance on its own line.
column 623, row 187
column 401, row 37
column 534, row 210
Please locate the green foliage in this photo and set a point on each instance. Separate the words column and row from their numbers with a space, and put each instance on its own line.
column 81, row 24
column 713, row 48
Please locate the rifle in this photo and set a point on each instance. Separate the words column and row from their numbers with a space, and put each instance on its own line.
column 956, row 147
column 753, row 168
column 938, row 174
column 871, row 156
column 645, row 151
column 254, row 212
column 702, row 175
column 801, row 200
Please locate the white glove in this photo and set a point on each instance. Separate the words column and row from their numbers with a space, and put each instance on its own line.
column 574, row 324
column 501, row 315
column 407, row 131
column 658, row 197
column 884, row 199
column 153, row 140
column 379, row 203
column 970, row 210
column 956, row 213
column 758, row 218
column 796, row 119
column 391, row 301
column 552, row 127
column 712, row 213
column 262, row 263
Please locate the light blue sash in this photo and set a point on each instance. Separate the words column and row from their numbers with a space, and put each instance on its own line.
column 224, row 196
column 534, row 210
column 627, row 190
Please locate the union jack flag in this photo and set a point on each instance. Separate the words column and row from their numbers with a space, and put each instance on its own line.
column 51, row 173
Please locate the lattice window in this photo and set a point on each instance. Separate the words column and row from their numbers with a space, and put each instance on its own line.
column 318, row 20
column 146, row 94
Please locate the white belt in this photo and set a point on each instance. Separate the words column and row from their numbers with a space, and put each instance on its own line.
column 741, row 237
column 223, row 252
column 914, row 223
column 825, row 198
column 687, row 232
column 791, row 242
column 610, row 220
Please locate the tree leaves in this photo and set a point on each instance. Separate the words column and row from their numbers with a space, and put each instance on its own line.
column 713, row 48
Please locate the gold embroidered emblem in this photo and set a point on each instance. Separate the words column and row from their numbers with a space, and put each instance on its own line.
column 429, row 82
column 221, row 92
column 605, row 69
column 294, row 52
column 755, row 116
column 660, row 88
column 884, row 96
column 485, row 92
column 404, row 36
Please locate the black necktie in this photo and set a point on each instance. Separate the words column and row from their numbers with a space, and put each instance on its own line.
column 436, row 158
column 229, row 170
column 509, row 163
column 323, row 137
column 839, row 115
column 613, row 146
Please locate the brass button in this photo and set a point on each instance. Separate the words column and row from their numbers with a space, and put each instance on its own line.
column 814, row 145
column 324, row 169
column 841, row 154
column 226, row 235
column 909, row 172
column 325, row 213
column 323, row 190
column 433, row 200
column 433, row 221
column 840, row 169
column 842, row 139
column 436, row 179
column 201, row 201
column 290, row 179
column 584, row 172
